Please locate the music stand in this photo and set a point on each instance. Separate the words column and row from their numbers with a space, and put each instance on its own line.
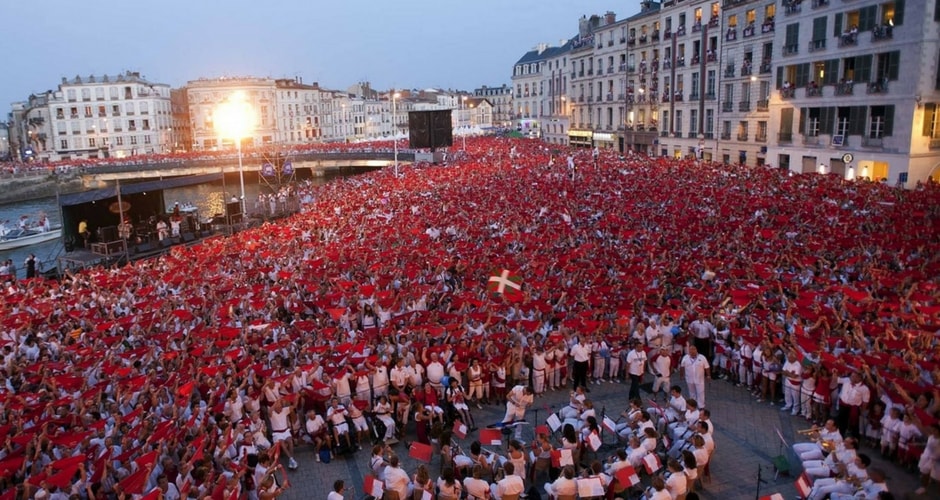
column 780, row 462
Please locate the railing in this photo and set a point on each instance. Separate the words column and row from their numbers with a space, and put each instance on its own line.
column 872, row 142
column 767, row 27
column 731, row 35
column 666, row 97
column 713, row 22
column 697, row 27
column 788, row 93
column 766, row 67
column 631, row 68
column 631, row 41
column 934, row 143
column 680, row 31
column 610, row 70
column 680, row 63
column 748, row 31
column 785, row 137
column 692, row 134
column 744, row 106
column 711, row 57
column 623, row 39
column 727, row 107
column 792, row 9
column 664, row 134
column 729, row 72
column 667, row 64
column 590, row 72
column 694, row 96
column 742, row 136
column 789, row 50
column 820, row 3
column 848, row 39
column 696, row 59
column 643, row 38
column 622, row 67
column 655, row 36
column 709, row 135
column 760, row 137
column 610, row 97
column 815, row 45
column 710, row 96
column 813, row 91
column 746, row 70
column 878, row 87
column 590, row 98
column 726, row 136
column 810, row 140
column 763, row 105
column 845, row 88
column 678, row 97
column 879, row 33
column 667, row 34
column 581, row 98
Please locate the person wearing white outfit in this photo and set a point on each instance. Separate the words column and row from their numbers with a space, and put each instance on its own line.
column 695, row 368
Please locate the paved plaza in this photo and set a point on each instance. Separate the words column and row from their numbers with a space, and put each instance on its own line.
column 745, row 437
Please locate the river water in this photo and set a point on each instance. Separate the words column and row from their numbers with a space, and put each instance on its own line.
column 207, row 198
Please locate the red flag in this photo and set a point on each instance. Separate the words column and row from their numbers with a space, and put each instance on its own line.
column 627, row 477
column 491, row 437
column 652, row 463
column 804, row 485
column 420, row 451
column 63, row 478
column 153, row 495
column 460, row 429
column 373, row 487
column 505, row 283
column 134, row 483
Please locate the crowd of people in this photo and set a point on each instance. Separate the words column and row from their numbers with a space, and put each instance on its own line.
column 368, row 315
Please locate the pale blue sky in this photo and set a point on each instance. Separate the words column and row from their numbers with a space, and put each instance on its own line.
column 407, row 44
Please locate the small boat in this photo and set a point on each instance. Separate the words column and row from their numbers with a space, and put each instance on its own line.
column 18, row 238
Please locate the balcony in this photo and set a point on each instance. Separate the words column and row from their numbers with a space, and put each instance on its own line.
column 709, row 135
column 878, row 87
column 881, row 33
column 934, row 143
column 664, row 134
column 710, row 56
column 848, row 39
column 744, row 106
column 713, row 22
column 767, row 27
column 655, row 36
column 810, row 139
column 820, row 3
column 785, row 137
column 787, row 93
column 726, row 136
column 845, row 88
column 817, row 45
column 749, row 31
column 590, row 72
column 697, row 27
column 710, row 96
column 727, row 107
column 667, row 64
column 872, row 142
column 742, row 136
column 678, row 97
column 623, row 40
column 793, row 9
column 766, row 67
column 680, row 31
column 694, row 96
column 667, row 34
column 631, row 68
column 760, row 137
column 729, row 72
column 763, row 105
column 610, row 70
column 590, row 98
column 666, row 97
column 696, row 59
column 813, row 90
column 573, row 75
column 631, row 41
column 746, row 69
column 692, row 134
column 610, row 43
column 644, row 39
column 789, row 50
column 581, row 98
column 610, row 97
column 655, row 65
column 680, row 63
column 731, row 35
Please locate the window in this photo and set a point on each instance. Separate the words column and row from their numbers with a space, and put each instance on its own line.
column 86, row 94
column 888, row 63
column 99, row 93
column 750, row 16
column 88, row 111
column 91, row 142
column 792, row 41
column 119, row 141
column 710, row 83
column 133, row 140
column 931, row 120
column 819, row 30
column 678, row 128
column 882, row 121
column 709, row 121
column 693, row 121
column 733, row 21
column 64, row 144
column 113, row 92
column 761, row 131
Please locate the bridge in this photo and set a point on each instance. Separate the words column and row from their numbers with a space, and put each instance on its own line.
column 251, row 162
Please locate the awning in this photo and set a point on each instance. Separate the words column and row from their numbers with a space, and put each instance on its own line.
column 69, row 200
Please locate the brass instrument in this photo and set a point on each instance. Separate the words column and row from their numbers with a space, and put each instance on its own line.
column 828, row 445
column 811, row 430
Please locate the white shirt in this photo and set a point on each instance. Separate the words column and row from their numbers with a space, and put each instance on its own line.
column 853, row 395
column 694, row 368
column 636, row 361
column 580, row 353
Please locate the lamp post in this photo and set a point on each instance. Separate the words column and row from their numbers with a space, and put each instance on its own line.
column 395, row 97
column 235, row 119
column 463, row 106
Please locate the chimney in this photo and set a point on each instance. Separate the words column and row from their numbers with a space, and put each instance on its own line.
column 610, row 17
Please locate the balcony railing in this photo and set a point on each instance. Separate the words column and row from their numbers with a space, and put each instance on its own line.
column 643, row 38
column 848, row 39
column 631, row 41
column 785, row 137
column 845, row 88
column 731, row 35
column 872, row 142
column 655, row 36
column 816, row 45
column 610, row 97
column 729, row 72
column 727, row 107
column 697, row 27
column 667, row 34
column 763, row 105
column 713, row 22
column 742, row 136
column 710, row 96
column 883, row 32
column 787, row 93
column 666, row 97
column 744, row 106
column 696, row 59
column 680, row 31
column 694, row 96
column 664, row 134
column 813, row 91
column 748, row 31
column 810, row 140
column 680, row 62
column 709, row 135
column 711, row 56
column 726, row 136
column 878, row 87
column 766, row 67
column 793, row 9
column 767, row 27
column 746, row 69
column 789, row 50
column 667, row 64
column 760, row 137
column 820, row 3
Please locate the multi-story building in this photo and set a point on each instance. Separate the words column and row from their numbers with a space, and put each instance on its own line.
column 31, row 130
column 4, row 142
column 480, row 112
column 581, row 90
column 207, row 95
column 840, row 103
column 557, row 104
column 299, row 111
column 609, row 82
column 642, row 66
column 501, row 100
column 528, row 79
column 181, row 132
column 746, row 55
column 689, row 48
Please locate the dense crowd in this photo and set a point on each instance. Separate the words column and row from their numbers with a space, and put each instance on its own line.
column 192, row 374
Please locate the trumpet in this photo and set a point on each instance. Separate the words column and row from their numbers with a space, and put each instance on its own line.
column 828, row 445
column 811, row 430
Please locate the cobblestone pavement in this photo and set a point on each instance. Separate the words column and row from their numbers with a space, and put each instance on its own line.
column 745, row 438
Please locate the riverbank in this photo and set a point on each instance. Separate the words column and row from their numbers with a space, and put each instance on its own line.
column 34, row 188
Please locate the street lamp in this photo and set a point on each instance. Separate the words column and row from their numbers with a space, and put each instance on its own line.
column 234, row 119
column 463, row 106
column 395, row 97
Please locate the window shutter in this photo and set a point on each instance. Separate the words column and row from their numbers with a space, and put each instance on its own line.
column 898, row 12
column 930, row 109
column 831, row 67
column 819, row 28
column 894, row 60
column 857, row 120
column 837, row 25
column 863, row 68
column 889, row 120
column 803, row 120
column 780, row 76
column 866, row 18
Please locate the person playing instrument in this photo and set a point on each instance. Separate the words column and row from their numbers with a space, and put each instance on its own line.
column 815, row 450
column 517, row 401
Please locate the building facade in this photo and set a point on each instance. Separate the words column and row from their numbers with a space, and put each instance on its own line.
column 643, row 66
column 501, row 100
column 299, row 111
column 856, row 89
column 206, row 96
